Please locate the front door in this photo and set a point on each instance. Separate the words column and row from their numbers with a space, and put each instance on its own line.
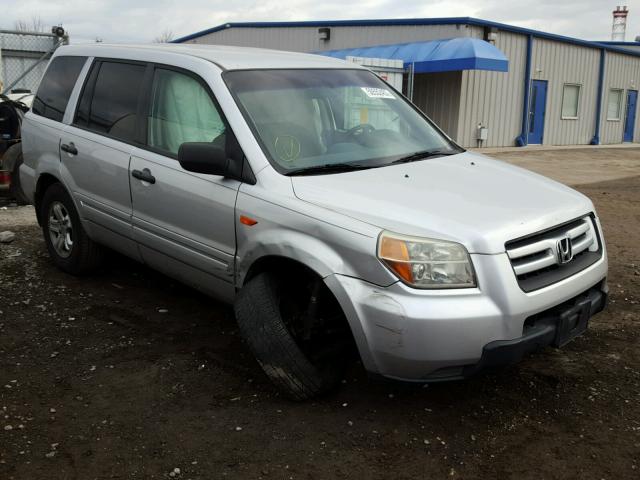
column 537, row 109
column 630, row 119
column 184, row 222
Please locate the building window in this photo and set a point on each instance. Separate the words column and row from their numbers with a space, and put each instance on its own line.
column 570, row 101
column 614, row 105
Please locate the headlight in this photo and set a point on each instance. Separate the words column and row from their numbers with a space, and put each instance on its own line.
column 426, row 263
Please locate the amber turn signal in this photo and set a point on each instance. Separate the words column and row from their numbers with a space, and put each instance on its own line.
column 247, row 221
column 396, row 255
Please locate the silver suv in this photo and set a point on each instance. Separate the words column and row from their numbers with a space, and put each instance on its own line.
column 331, row 212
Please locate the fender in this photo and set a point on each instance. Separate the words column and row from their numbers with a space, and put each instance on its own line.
column 291, row 245
column 323, row 247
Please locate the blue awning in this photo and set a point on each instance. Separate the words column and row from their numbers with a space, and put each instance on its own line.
column 447, row 55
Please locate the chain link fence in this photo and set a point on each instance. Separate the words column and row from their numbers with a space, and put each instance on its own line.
column 24, row 57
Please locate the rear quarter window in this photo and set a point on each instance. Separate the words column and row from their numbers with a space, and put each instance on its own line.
column 56, row 86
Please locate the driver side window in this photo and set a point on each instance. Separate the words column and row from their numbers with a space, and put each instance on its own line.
column 181, row 111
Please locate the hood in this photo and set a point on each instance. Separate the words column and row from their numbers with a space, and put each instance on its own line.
column 468, row 198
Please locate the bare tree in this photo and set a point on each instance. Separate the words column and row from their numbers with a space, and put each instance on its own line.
column 34, row 25
column 165, row 37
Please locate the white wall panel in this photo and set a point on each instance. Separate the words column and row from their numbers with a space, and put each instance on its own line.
column 560, row 63
column 494, row 99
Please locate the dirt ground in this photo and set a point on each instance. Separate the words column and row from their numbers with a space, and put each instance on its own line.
column 127, row 374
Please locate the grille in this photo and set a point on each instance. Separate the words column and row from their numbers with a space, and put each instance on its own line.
column 537, row 259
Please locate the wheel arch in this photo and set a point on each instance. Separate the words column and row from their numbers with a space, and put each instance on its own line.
column 284, row 264
column 45, row 180
column 277, row 263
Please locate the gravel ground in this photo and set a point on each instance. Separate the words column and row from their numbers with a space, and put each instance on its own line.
column 127, row 374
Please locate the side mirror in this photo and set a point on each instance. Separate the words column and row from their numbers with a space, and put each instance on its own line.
column 203, row 157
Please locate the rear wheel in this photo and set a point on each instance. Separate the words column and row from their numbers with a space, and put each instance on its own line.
column 68, row 244
column 296, row 331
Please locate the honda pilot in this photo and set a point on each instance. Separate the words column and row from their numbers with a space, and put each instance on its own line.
column 304, row 190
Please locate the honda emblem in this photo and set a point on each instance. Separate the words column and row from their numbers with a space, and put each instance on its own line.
column 565, row 252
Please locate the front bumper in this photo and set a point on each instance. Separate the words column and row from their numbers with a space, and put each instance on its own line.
column 429, row 335
column 555, row 327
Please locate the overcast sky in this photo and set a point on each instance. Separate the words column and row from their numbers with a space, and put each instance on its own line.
column 143, row 20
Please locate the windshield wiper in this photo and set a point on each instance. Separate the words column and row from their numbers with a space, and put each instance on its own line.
column 328, row 168
column 423, row 154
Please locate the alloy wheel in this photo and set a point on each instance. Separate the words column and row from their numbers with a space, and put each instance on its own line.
column 60, row 229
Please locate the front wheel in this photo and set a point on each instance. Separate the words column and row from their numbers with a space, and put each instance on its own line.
column 69, row 246
column 296, row 331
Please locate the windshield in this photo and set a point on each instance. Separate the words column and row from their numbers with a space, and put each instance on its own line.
column 319, row 120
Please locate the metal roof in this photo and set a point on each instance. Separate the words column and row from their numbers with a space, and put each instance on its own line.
column 412, row 21
column 463, row 53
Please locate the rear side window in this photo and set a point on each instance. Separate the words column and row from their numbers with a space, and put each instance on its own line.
column 56, row 86
column 110, row 105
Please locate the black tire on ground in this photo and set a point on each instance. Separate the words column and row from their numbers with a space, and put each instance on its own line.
column 262, row 325
column 14, row 156
column 85, row 255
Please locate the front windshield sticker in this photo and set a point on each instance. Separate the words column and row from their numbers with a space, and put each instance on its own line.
column 377, row 92
column 287, row 148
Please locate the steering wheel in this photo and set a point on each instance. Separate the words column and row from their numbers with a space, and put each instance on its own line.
column 362, row 129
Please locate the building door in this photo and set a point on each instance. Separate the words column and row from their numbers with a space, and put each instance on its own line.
column 630, row 119
column 537, row 109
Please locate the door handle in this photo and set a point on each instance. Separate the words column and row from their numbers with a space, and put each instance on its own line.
column 144, row 175
column 70, row 149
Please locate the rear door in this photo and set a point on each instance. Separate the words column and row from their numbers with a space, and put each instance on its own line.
column 96, row 150
column 183, row 221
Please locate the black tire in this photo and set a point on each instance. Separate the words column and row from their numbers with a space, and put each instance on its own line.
column 262, row 325
column 14, row 156
column 85, row 255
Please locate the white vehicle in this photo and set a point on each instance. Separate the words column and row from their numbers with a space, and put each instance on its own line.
column 26, row 98
column 320, row 202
